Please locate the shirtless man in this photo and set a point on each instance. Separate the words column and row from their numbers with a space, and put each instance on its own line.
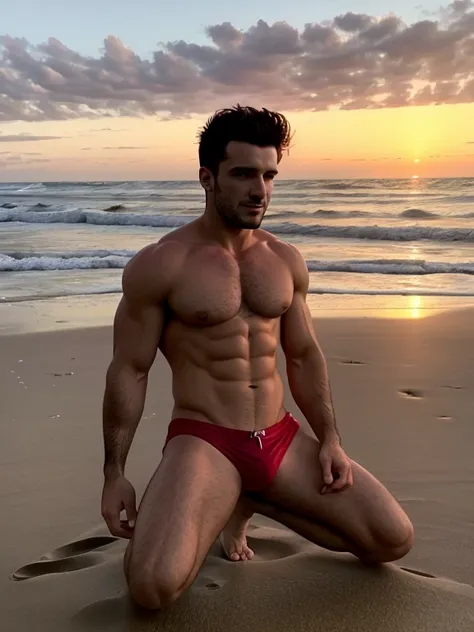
column 216, row 297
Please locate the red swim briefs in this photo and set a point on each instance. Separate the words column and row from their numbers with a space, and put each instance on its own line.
column 256, row 455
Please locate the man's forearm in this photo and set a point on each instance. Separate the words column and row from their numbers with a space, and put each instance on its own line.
column 124, row 400
column 309, row 384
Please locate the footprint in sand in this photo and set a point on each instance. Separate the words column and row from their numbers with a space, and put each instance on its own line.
column 71, row 557
column 79, row 547
column 208, row 583
column 267, row 549
column 213, row 585
column 356, row 362
column 415, row 572
column 412, row 393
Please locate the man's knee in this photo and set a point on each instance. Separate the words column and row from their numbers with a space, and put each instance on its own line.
column 155, row 585
column 154, row 589
column 392, row 545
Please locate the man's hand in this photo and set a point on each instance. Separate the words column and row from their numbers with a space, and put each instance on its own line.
column 118, row 494
column 336, row 467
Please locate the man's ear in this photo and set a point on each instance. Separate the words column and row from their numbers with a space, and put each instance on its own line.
column 206, row 179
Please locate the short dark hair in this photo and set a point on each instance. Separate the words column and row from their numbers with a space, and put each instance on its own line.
column 244, row 124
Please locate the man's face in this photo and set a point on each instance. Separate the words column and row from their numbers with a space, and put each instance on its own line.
column 243, row 188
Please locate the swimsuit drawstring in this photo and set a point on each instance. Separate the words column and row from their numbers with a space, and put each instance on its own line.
column 256, row 434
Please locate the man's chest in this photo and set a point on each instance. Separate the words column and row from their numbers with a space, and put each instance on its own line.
column 213, row 290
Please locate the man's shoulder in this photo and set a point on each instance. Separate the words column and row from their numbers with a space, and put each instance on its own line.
column 155, row 267
column 161, row 253
column 167, row 250
column 290, row 253
column 293, row 258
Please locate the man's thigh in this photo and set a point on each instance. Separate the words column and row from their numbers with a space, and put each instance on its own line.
column 184, row 508
column 366, row 514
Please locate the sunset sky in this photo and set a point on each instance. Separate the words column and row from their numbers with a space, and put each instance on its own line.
column 118, row 90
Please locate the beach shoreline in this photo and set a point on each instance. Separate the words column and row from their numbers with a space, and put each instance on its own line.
column 90, row 311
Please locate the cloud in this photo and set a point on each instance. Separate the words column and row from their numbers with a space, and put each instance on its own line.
column 354, row 61
column 107, row 129
column 125, row 148
column 16, row 160
column 446, row 156
column 23, row 138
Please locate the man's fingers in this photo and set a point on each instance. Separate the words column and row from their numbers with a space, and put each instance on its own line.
column 340, row 483
column 131, row 511
column 118, row 496
column 326, row 467
column 121, row 529
column 344, row 480
column 123, row 532
column 117, row 527
column 127, row 528
column 114, row 524
column 341, row 476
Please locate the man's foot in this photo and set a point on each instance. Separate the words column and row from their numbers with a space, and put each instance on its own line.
column 233, row 537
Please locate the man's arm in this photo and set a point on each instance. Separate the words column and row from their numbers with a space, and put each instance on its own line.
column 138, row 325
column 305, row 362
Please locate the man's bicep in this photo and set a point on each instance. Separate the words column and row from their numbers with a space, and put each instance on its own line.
column 137, row 332
column 140, row 316
column 297, row 332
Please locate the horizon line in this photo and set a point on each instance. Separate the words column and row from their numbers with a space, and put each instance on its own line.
column 409, row 178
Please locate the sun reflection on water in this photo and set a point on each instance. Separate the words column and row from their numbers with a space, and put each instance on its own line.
column 416, row 306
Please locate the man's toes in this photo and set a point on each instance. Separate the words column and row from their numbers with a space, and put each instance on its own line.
column 235, row 557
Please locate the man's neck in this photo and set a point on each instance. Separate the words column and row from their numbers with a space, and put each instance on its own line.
column 234, row 240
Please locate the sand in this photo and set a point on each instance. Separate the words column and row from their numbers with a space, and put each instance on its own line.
column 403, row 392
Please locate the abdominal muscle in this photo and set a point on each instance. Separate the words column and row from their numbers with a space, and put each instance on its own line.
column 226, row 374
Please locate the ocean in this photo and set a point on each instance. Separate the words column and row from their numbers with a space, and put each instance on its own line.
column 405, row 243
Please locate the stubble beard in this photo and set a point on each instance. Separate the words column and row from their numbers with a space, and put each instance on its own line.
column 230, row 215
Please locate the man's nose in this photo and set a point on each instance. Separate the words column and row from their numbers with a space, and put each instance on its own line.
column 258, row 190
